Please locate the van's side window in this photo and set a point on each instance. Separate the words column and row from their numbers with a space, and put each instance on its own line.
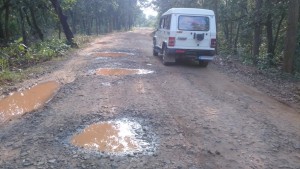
column 193, row 23
column 161, row 23
column 167, row 23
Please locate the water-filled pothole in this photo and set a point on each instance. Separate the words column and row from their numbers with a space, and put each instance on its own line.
column 121, row 72
column 26, row 101
column 111, row 54
column 112, row 137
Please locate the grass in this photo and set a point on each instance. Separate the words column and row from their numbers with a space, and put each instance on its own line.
column 17, row 61
column 8, row 77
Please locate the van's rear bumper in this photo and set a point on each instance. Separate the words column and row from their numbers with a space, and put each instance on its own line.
column 207, row 55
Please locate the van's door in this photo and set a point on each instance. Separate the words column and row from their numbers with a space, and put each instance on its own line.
column 159, row 33
column 193, row 31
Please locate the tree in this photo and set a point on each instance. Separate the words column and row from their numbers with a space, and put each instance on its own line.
column 64, row 23
column 291, row 36
column 257, row 31
column 273, row 11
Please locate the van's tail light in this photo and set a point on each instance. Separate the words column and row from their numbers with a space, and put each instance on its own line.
column 171, row 41
column 213, row 43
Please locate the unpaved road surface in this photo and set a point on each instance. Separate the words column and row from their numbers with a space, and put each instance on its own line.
column 191, row 117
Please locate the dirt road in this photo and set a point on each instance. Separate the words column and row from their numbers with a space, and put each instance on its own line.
column 186, row 116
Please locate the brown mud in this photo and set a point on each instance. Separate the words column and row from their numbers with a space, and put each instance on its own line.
column 190, row 117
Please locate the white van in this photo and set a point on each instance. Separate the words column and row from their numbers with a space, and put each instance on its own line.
column 186, row 33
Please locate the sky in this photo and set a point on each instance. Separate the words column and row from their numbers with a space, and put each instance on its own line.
column 149, row 11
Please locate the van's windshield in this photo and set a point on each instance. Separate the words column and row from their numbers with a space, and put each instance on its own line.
column 193, row 23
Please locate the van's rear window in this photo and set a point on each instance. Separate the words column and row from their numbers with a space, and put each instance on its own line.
column 193, row 23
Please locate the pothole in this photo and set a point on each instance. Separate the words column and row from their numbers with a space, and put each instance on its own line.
column 113, row 137
column 121, row 72
column 26, row 101
column 111, row 54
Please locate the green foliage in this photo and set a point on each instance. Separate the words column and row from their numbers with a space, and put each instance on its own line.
column 18, row 56
column 142, row 21
column 9, row 76
column 297, row 56
column 82, row 39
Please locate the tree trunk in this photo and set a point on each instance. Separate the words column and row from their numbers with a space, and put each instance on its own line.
column 7, row 13
column 270, row 41
column 217, row 20
column 236, row 39
column 291, row 36
column 73, row 19
column 2, row 36
column 64, row 23
column 257, row 32
column 35, row 25
column 23, row 27
column 278, row 29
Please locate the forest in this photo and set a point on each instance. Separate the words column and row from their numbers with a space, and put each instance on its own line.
column 262, row 33
column 36, row 31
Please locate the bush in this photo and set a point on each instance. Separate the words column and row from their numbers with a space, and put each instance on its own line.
column 18, row 56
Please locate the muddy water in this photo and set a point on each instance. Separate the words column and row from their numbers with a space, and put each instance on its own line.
column 121, row 72
column 111, row 54
column 110, row 137
column 26, row 101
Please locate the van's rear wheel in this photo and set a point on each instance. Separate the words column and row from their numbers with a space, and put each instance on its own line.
column 155, row 53
column 165, row 57
column 203, row 63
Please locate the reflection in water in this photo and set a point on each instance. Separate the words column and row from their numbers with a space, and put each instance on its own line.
column 26, row 101
column 110, row 137
column 121, row 72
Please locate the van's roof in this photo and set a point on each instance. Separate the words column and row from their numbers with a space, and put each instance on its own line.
column 189, row 11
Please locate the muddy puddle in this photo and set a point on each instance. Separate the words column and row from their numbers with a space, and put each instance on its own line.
column 26, row 101
column 112, row 137
column 120, row 72
column 111, row 54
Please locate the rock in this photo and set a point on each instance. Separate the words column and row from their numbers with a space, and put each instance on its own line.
column 23, row 154
column 40, row 163
column 27, row 164
column 297, row 145
column 263, row 157
column 130, row 155
column 298, row 157
column 52, row 161
column 9, row 144
column 166, row 161
column 190, row 152
column 218, row 141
